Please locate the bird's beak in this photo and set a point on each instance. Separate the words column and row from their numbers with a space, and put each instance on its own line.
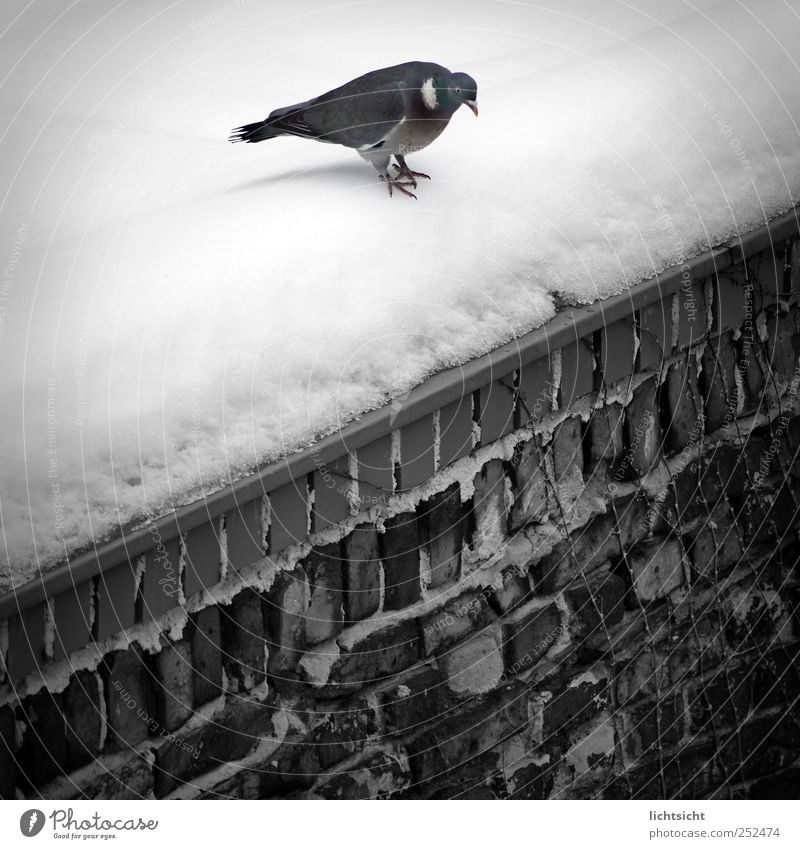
column 473, row 106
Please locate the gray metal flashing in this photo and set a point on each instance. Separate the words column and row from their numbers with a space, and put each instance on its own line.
column 566, row 327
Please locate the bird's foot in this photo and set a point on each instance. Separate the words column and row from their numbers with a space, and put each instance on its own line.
column 405, row 173
column 392, row 182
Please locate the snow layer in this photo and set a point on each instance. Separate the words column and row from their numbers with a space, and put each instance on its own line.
column 175, row 310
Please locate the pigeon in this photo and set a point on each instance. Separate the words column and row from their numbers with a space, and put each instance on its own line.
column 386, row 113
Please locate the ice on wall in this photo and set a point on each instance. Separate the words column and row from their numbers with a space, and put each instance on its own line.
column 175, row 310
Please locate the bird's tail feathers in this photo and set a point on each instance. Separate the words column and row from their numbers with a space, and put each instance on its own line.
column 280, row 122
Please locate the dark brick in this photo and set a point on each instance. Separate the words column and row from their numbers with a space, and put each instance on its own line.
column 375, row 473
column 750, row 367
column 288, row 516
column 421, row 697
column 489, row 508
column 530, row 488
column 455, row 431
column 716, row 549
column 646, row 727
column 285, row 610
column 441, row 521
column 43, row 755
column 331, row 485
column 606, row 434
column 729, row 301
column 457, row 619
column 203, row 558
column 377, row 777
column 776, row 679
column 72, row 617
column 566, row 449
column 116, row 601
column 378, row 655
column 574, row 703
column 724, row 699
column 160, row 587
column 657, row 568
column 173, row 684
column 718, row 382
column 399, row 546
column 684, row 405
column 83, row 713
column 7, row 747
column 244, row 648
column 617, row 350
column 642, row 430
column 510, row 592
column 244, row 534
column 130, row 700
column 530, row 638
column 323, row 567
column 782, row 346
column 535, row 391
column 631, row 519
column 692, row 313
column 655, row 334
column 228, row 738
column 361, row 573
column 496, row 409
column 416, row 453
column 577, row 372
column 343, row 733
column 205, row 635
column 596, row 605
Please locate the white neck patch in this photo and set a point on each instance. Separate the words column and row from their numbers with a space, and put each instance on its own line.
column 429, row 94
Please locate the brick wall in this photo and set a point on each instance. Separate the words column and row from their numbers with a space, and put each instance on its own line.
column 579, row 580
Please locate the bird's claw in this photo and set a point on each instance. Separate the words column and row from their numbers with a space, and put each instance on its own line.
column 404, row 172
column 398, row 184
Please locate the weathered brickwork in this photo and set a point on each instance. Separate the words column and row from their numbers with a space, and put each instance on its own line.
column 601, row 603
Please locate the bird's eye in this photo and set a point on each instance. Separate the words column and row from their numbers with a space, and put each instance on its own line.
column 458, row 91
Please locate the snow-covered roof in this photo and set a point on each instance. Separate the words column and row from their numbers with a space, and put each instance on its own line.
column 175, row 311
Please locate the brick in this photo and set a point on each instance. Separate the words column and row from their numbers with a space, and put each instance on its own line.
column 632, row 517
column 227, row 739
column 399, row 547
column 749, row 361
column 719, row 382
column 458, row 618
column 116, row 601
column 421, row 697
column 684, row 405
column 528, row 639
column 343, row 733
column 132, row 779
column 361, row 573
column 129, row 699
column 331, row 485
column 716, row 549
column 323, row 567
column 285, row 610
column 160, row 587
column 72, row 615
column 657, row 568
column 244, row 648
column 43, row 754
column 375, row 473
column 489, row 506
column 7, row 748
column 288, row 516
column 776, row 678
column 650, row 726
column 577, row 372
column 455, row 431
column 416, row 453
column 244, row 534
column 567, row 452
column 642, row 429
column 83, row 714
column 691, row 312
column 378, row 777
column 441, row 522
column 293, row 768
column 606, row 431
column 782, row 346
column 655, row 334
column 575, row 703
column 596, row 605
column 203, row 558
column 26, row 642
column 173, row 684
column 497, row 403
column 379, row 655
column 617, row 350
column 768, row 269
column 205, row 635
column 535, row 391
column 530, row 489
column 475, row 666
column 511, row 591
column 729, row 301
column 723, row 700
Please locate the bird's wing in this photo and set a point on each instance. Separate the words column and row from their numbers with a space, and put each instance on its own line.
column 359, row 114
